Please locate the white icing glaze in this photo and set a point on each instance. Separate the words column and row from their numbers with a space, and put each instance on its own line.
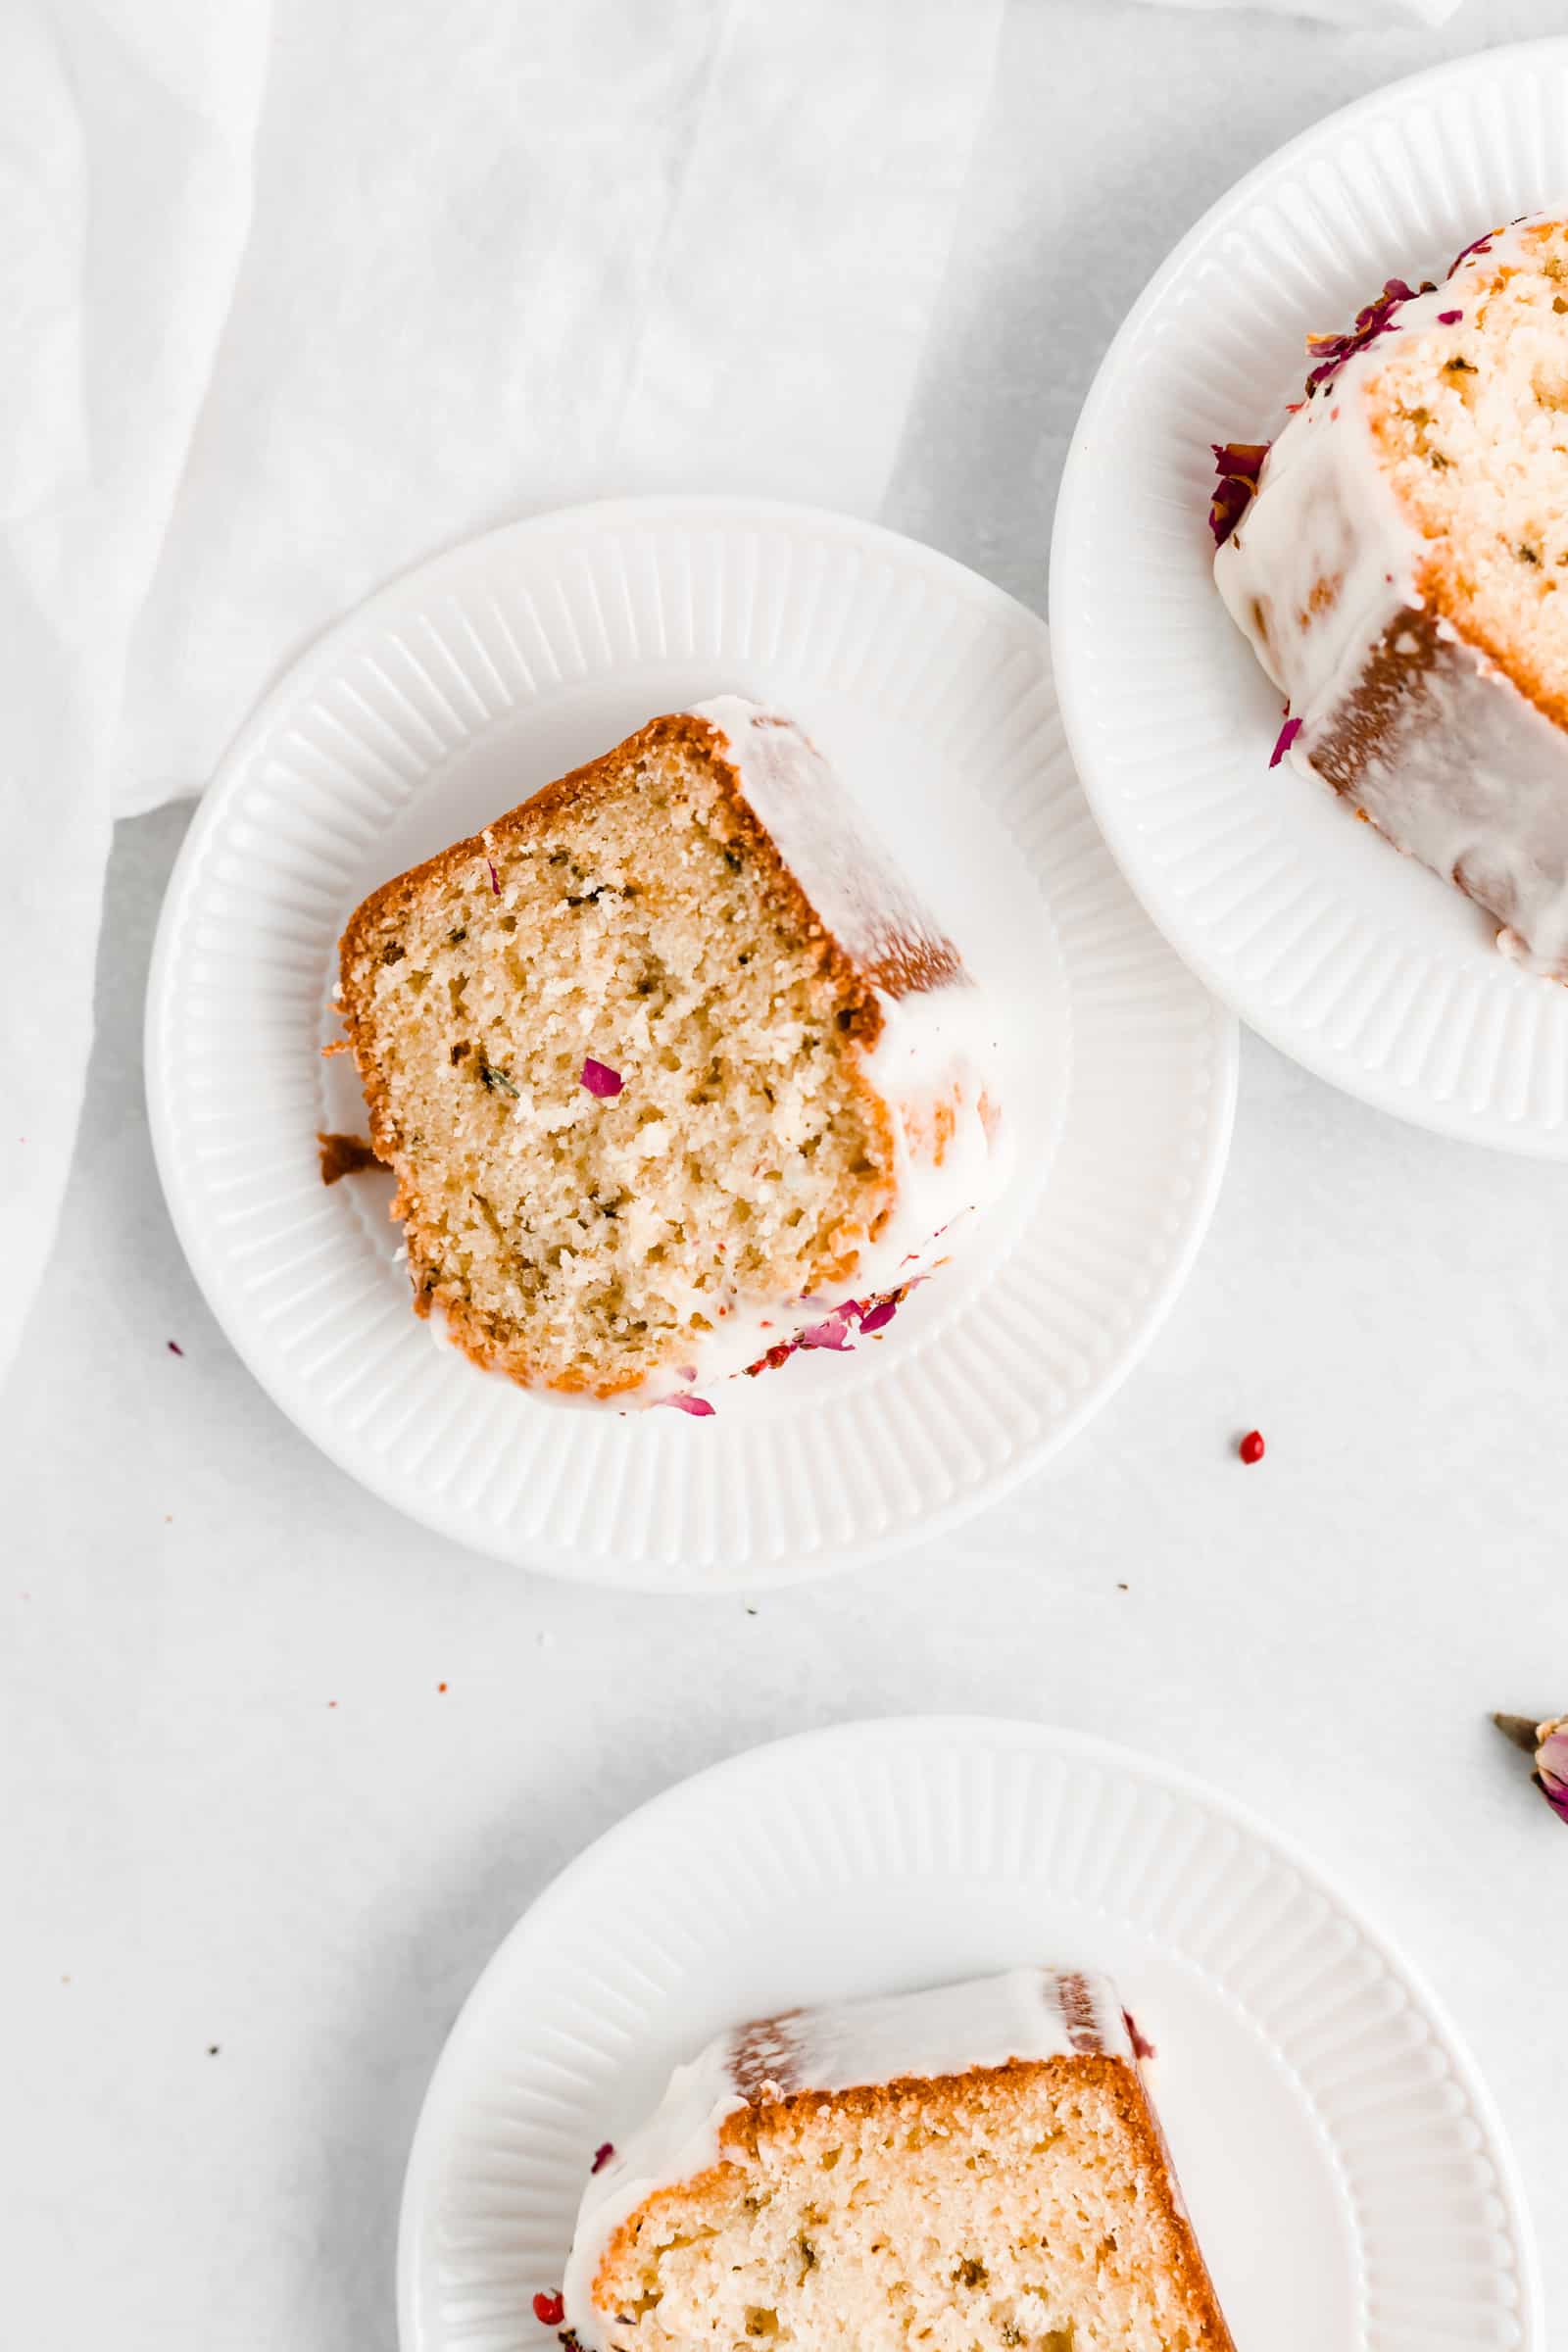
column 1030, row 2014
column 1471, row 777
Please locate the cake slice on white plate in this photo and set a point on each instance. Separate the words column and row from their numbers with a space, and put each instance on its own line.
column 1401, row 571
column 676, row 1071
column 975, row 2168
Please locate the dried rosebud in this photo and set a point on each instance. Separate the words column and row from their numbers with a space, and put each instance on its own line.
column 600, row 1080
column 1547, row 1744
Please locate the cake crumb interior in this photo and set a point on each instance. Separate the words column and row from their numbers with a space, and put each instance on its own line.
column 1472, row 420
column 1011, row 2210
column 744, row 1153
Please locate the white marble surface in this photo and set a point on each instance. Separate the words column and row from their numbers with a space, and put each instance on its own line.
column 239, row 1917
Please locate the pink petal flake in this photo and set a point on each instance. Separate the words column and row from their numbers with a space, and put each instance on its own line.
column 1482, row 244
column 1449, row 318
column 495, row 878
column 602, row 2155
column 1238, row 465
column 175, row 1347
column 1286, row 737
column 832, row 1332
column 880, row 1316
column 600, row 1080
column 698, row 1407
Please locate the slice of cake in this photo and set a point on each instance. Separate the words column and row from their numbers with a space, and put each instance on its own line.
column 1401, row 572
column 675, row 1072
column 975, row 2168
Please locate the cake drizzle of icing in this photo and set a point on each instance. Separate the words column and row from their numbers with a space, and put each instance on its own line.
column 1420, row 730
column 1027, row 2016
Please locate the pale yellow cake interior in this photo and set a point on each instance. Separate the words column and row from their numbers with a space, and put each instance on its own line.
column 595, row 1238
column 1473, row 421
column 984, row 2215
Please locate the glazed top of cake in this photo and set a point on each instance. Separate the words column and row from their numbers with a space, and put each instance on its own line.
column 1027, row 2016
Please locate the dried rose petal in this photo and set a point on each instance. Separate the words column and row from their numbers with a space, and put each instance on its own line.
column 175, row 1347
column 602, row 2155
column 495, row 878
column 600, row 1079
column 881, row 1315
column 832, row 1332
column 1482, row 244
column 1284, row 740
column 1238, row 465
column 549, row 2310
column 1449, row 318
column 1141, row 2046
column 698, row 1407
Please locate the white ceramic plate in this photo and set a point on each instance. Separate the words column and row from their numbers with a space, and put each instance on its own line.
column 1345, row 2169
column 453, row 696
column 1352, row 958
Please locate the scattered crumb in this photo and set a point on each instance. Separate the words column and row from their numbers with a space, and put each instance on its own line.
column 440, row 1685
column 211, row 2049
column 1121, row 1587
column 344, row 1155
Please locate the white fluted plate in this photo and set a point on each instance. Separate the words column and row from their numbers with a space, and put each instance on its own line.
column 1355, row 961
column 1345, row 2171
column 450, row 698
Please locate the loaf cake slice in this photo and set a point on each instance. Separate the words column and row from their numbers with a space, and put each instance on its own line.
column 1401, row 567
column 974, row 2169
column 674, row 1072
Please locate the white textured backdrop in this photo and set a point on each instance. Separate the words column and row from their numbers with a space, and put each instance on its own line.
column 205, row 1854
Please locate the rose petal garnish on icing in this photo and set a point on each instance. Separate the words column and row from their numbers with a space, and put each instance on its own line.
column 1287, row 736
column 1482, row 244
column 549, row 2310
column 1238, row 465
column 832, row 1332
column 698, row 1407
column 602, row 2155
column 685, row 1371
column 600, row 1079
column 880, row 1316
column 1449, row 318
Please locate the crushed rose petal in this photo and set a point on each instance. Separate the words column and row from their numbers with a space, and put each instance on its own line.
column 1238, row 465
column 602, row 2155
column 600, row 1079
column 1331, row 352
column 495, row 878
column 1282, row 742
column 175, row 1347
column 698, row 1407
column 1143, row 2047
column 1449, row 318
column 832, row 1332
column 1482, row 244
column 880, row 1316
column 549, row 2310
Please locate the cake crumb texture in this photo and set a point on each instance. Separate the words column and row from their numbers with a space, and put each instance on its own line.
column 633, row 917
column 1028, row 2205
